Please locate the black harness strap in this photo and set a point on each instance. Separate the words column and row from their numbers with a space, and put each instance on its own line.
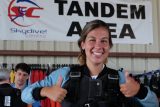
column 101, row 92
column 112, row 86
column 74, row 85
column 11, row 97
column 104, row 91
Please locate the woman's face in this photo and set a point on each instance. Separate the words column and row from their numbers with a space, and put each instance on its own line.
column 96, row 46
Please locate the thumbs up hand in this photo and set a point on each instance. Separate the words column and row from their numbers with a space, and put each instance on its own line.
column 131, row 87
column 55, row 92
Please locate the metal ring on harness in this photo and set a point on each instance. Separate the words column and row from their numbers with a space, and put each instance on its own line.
column 87, row 105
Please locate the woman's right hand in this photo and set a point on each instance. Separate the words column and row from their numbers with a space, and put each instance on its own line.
column 55, row 92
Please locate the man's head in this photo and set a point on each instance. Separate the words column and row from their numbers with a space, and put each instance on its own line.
column 4, row 75
column 22, row 71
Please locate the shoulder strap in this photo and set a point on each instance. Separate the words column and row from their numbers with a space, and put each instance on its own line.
column 113, row 79
column 74, row 83
column 11, row 96
column 110, row 79
column 113, row 88
column 10, row 91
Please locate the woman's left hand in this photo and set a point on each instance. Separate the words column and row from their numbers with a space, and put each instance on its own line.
column 131, row 87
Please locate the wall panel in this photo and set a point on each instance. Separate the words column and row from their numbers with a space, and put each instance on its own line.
column 139, row 65
column 1, row 45
column 29, row 45
column 46, row 46
column 62, row 46
column 113, row 63
column 138, row 48
column 30, row 60
column 158, row 21
column 47, row 60
column 13, row 59
column 1, row 59
column 13, row 45
column 125, row 63
column 153, row 64
column 124, row 48
column 154, row 47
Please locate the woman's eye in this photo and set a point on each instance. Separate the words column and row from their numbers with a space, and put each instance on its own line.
column 104, row 41
column 92, row 40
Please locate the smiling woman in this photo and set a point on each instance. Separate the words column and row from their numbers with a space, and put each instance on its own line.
column 92, row 83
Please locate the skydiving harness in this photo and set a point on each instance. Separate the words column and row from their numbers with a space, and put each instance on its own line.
column 7, row 96
column 88, row 92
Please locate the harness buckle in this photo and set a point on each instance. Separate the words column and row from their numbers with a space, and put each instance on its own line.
column 87, row 105
column 113, row 77
column 75, row 74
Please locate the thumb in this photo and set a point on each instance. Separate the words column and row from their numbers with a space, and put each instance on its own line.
column 122, row 79
column 127, row 76
column 60, row 80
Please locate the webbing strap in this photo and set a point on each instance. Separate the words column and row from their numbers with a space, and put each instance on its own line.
column 75, row 75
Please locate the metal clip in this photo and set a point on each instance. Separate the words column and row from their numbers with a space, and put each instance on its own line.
column 87, row 105
column 75, row 74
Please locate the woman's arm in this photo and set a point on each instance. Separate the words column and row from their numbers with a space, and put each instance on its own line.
column 49, row 81
column 150, row 100
column 130, row 88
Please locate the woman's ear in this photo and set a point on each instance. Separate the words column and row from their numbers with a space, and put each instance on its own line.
column 82, row 45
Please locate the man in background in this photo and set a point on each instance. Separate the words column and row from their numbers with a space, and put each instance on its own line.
column 22, row 71
column 9, row 96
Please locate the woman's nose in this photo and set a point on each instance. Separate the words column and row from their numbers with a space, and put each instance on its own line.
column 98, row 43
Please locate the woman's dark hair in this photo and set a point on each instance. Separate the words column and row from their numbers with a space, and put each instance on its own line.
column 87, row 28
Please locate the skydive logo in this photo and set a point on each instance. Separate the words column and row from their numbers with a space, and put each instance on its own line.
column 23, row 12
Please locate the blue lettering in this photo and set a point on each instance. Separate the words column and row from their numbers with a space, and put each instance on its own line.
column 29, row 31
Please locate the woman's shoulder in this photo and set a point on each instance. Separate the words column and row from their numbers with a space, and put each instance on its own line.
column 62, row 69
column 111, row 69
